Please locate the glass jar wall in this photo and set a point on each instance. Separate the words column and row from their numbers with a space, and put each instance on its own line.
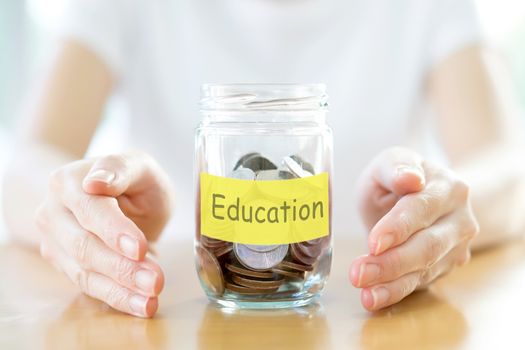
column 263, row 163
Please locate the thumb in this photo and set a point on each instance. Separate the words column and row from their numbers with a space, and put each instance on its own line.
column 400, row 171
column 116, row 174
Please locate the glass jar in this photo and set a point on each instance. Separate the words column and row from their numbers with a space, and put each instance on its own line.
column 263, row 164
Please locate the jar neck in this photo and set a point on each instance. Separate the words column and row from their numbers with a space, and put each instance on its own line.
column 264, row 103
column 311, row 117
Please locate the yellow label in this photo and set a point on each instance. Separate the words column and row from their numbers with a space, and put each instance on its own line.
column 264, row 212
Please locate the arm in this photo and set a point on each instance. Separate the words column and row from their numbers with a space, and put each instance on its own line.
column 93, row 217
column 482, row 136
column 422, row 216
column 59, row 127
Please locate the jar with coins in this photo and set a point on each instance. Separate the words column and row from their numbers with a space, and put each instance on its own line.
column 263, row 166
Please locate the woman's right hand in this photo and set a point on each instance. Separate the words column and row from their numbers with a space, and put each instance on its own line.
column 96, row 222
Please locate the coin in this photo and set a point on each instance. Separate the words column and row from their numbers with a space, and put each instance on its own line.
column 313, row 250
column 259, row 261
column 250, row 273
column 245, row 290
column 255, row 269
column 261, row 248
column 286, row 175
column 242, row 174
column 212, row 242
column 258, row 284
column 258, row 163
column 295, row 266
column 313, row 241
column 289, row 274
column 223, row 251
column 243, row 159
column 267, row 175
column 298, row 255
column 295, row 168
column 210, row 271
column 304, row 164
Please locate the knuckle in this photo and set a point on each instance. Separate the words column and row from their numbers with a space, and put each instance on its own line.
column 424, row 277
column 408, row 285
column 471, row 227
column 82, row 280
column 81, row 247
column 426, row 206
column 116, row 295
column 87, row 208
column 85, row 204
column 124, row 269
column 464, row 258
column 434, row 248
column 113, row 161
column 395, row 264
column 461, row 190
column 403, row 225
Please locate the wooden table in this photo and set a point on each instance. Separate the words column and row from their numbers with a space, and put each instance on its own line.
column 479, row 306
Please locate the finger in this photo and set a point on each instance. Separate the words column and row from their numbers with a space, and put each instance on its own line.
column 419, row 252
column 383, row 295
column 399, row 170
column 116, row 174
column 414, row 212
column 386, row 294
column 92, row 254
column 103, row 288
column 392, row 174
column 458, row 256
column 100, row 215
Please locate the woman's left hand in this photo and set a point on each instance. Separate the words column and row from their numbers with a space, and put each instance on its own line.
column 421, row 226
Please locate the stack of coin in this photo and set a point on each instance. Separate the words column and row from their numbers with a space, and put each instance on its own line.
column 259, row 269
column 217, row 247
column 248, row 281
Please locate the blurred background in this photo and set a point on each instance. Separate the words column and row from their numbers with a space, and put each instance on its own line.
column 27, row 44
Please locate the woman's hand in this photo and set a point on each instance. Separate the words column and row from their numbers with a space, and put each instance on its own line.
column 96, row 223
column 421, row 226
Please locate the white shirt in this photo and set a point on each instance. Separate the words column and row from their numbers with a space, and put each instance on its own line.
column 372, row 54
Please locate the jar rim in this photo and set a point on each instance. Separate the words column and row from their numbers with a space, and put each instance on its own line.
column 263, row 96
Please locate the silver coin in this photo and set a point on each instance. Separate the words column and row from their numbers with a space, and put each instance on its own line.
column 259, row 261
column 286, row 175
column 257, row 163
column 261, row 248
column 242, row 174
column 267, row 175
column 295, row 168
column 241, row 160
column 304, row 164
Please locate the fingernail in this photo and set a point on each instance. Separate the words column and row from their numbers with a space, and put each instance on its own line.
column 384, row 242
column 101, row 175
column 380, row 295
column 368, row 273
column 129, row 246
column 137, row 304
column 145, row 280
column 413, row 170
